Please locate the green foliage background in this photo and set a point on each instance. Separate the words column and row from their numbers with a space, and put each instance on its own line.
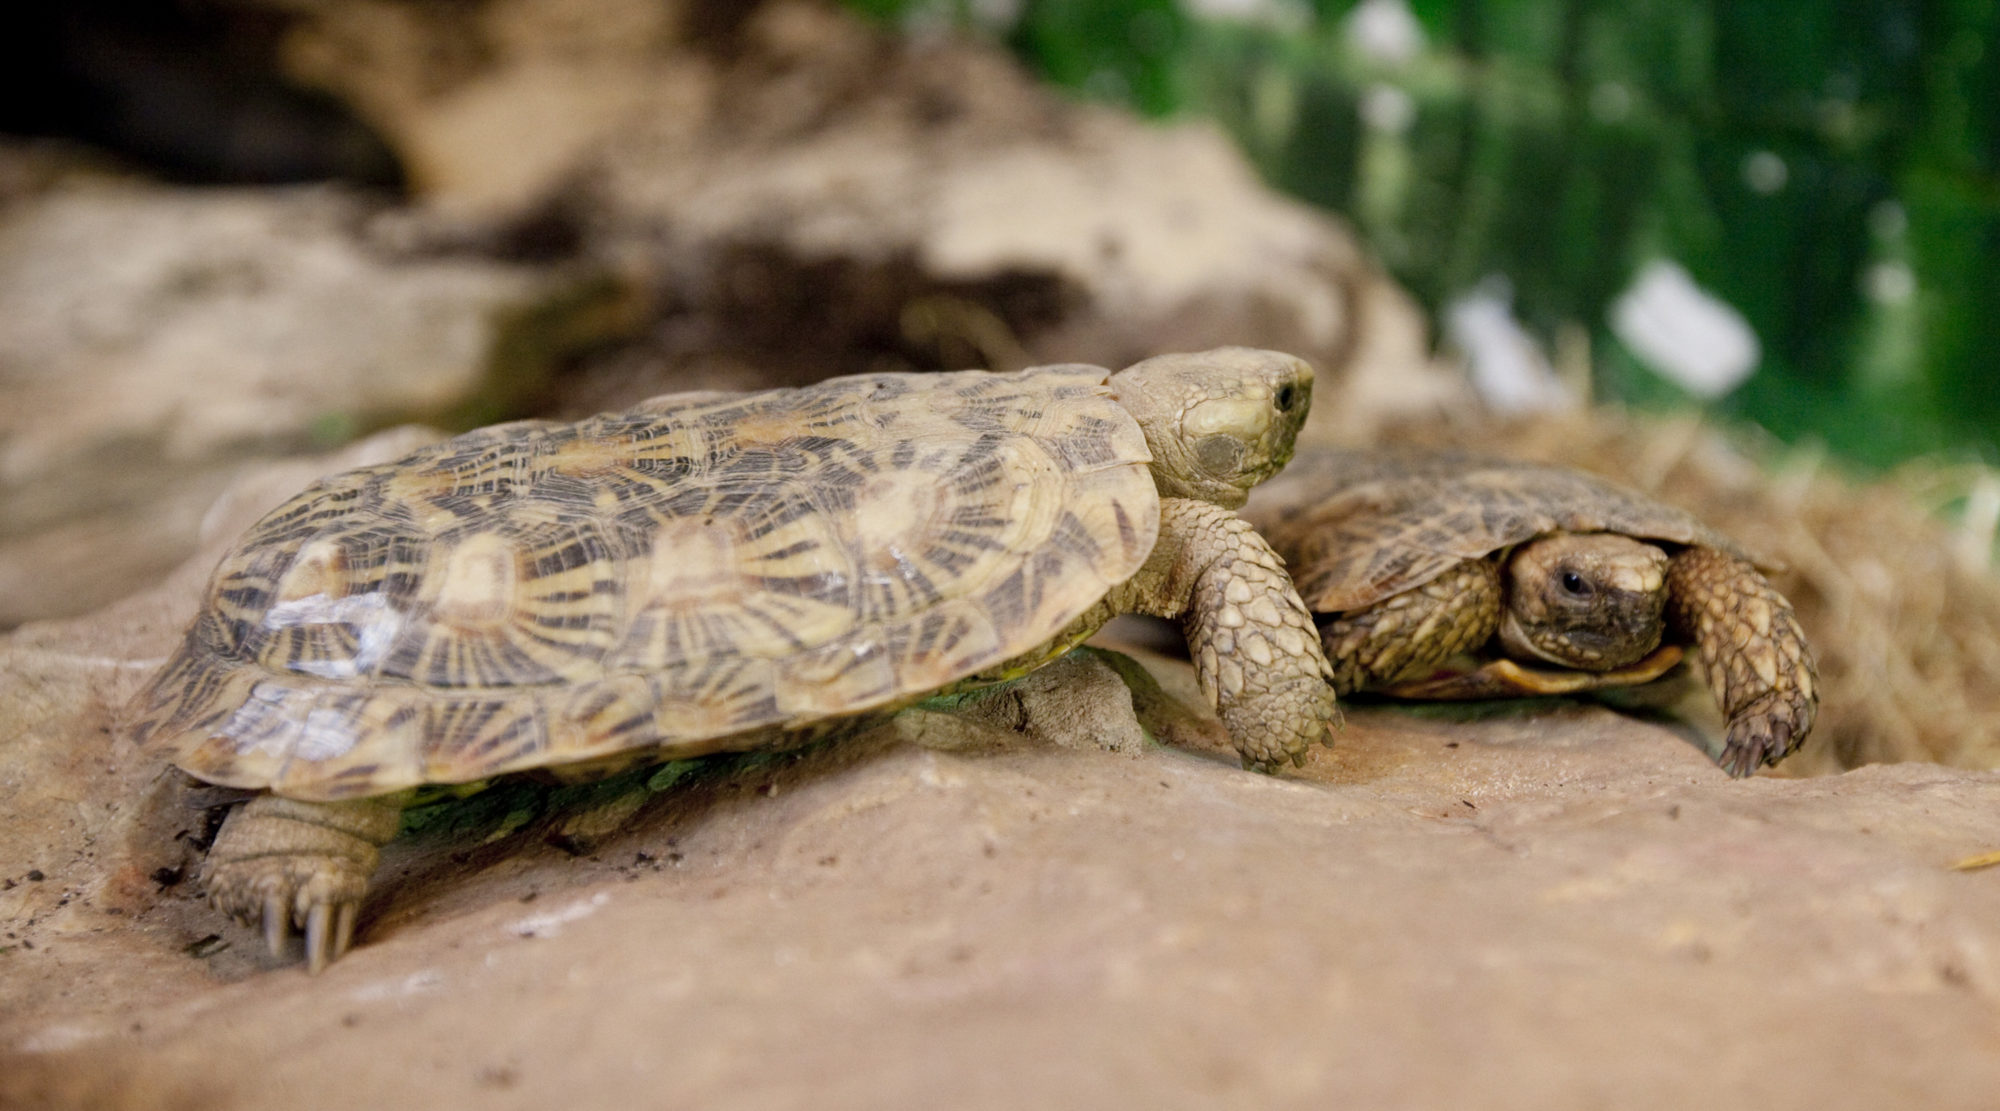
column 1563, row 143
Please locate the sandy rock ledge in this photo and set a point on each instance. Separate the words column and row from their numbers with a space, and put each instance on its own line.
column 1551, row 906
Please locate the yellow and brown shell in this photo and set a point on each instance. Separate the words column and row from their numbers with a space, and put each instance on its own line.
column 699, row 568
column 1360, row 527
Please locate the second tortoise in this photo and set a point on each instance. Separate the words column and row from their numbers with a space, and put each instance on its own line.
column 1411, row 560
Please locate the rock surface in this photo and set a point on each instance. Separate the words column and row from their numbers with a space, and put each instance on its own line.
column 806, row 195
column 1548, row 907
column 158, row 338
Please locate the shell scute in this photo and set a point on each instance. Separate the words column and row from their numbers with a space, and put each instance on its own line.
column 468, row 737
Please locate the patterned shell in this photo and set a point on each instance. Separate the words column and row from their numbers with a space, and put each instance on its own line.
column 1358, row 527
column 658, row 580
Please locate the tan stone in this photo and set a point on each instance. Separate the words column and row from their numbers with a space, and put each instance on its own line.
column 158, row 339
column 1550, row 906
column 801, row 185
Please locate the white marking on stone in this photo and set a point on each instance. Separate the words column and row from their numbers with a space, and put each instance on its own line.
column 550, row 923
column 55, row 1039
column 416, row 983
column 76, row 660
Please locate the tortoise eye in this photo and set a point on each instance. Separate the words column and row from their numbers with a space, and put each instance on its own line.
column 1575, row 584
column 1286, row 396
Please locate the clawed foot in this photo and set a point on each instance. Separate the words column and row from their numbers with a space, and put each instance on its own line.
column 319, row 896
column 1765, row 732
column 285, row 863
column 1752, row 651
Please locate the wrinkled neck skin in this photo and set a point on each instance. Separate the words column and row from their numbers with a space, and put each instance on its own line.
column 1217, row 422
column 1592, row 601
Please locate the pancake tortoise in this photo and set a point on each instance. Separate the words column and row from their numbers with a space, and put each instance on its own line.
column 1409, row 561
column 719, row 572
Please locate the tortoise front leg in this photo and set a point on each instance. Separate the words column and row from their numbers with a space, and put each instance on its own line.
column 286, row 862
column 1250, row 636
column 1406, row 635
column 1752, row 654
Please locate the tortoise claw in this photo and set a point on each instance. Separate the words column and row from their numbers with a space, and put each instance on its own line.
column 329, row 932
column 1765, row 733
column 277, row 924
column 280, row 864
column 318, row 918
column 343, row 928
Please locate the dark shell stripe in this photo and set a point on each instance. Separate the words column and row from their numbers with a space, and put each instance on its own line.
column 699, row 567
column 1370, row 525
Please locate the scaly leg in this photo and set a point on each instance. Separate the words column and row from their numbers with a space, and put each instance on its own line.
column 1252, row 639
column 1404, row 636
column 287, row 862
column 1752, row 653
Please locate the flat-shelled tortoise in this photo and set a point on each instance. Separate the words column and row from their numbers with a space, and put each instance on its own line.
column 1409, row 561
column 719, row 572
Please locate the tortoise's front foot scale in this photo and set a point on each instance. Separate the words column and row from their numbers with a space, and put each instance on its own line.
column 1255, row 649
column 284, row 863
column 1305, row 713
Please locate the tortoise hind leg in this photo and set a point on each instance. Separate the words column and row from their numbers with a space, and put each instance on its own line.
column 287, row 862
column 1403, row 636
column 1752, row 654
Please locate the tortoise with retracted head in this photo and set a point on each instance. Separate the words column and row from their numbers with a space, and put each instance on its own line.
column 1409, row 561
column 719, row 572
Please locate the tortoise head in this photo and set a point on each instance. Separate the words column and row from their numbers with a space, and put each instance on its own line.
column 1217, row 422
column 1591, row 601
